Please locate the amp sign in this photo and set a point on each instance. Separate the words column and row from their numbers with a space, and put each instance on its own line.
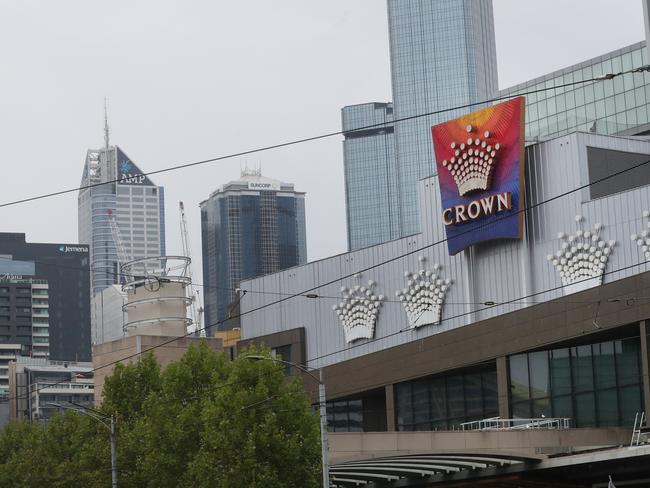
column 127, row 171
column 480, row 161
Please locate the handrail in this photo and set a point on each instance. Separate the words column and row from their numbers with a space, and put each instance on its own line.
column 497, row 423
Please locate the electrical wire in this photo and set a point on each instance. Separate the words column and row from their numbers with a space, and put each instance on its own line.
column 608, row 76
column 382, row 263
column 326, row 135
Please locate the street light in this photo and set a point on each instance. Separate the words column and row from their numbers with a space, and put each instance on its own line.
column 322, row 409
column 104, row 420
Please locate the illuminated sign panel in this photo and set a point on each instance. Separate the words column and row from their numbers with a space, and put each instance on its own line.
column 262, row 185
column 127, row 171
column 480, row 160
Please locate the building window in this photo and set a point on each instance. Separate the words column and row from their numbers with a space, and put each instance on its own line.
column 364, row 413
column 445, row 401
column 596, row 385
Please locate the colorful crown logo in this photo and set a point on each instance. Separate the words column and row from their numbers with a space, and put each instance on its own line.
column 473, row 162
column 582, row 259
column 643, row 238
column 358, row 311
column 424, row 295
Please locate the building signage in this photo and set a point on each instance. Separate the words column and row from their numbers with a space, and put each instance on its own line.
column 262, row 185
column 8, row 276
column 128, row 173
column 73, row 249
column 480, row 161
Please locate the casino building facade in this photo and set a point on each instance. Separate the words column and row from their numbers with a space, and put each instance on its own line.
column 418, row 342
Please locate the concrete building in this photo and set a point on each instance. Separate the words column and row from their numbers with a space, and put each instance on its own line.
column 155, row 314
column 512, row 328
column 249, row 227
column 115, row 188
column 109, row 315
column 39, row 388
column 46, row 288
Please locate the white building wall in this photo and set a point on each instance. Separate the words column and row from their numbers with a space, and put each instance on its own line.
column 497, row 271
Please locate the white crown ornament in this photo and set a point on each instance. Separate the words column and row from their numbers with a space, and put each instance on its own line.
column 358, row 311
column 424, row 295
column 473, row 162
column 642, row 239
column 582, row 258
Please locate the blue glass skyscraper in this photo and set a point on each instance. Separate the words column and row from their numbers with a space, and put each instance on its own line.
column 443, row 54
column 249, row 227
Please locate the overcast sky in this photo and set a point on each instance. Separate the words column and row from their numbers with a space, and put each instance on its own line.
column 197, row 79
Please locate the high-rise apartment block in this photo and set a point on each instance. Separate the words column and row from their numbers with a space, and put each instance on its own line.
column 249, row 227
column 442, row 55
column 115, row 191
column 44, row 299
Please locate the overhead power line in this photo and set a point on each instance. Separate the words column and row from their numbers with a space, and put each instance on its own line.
column 382, row 263
column 607, row 76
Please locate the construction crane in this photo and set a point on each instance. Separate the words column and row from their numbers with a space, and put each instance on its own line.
column 122, row 256
column 196, row 309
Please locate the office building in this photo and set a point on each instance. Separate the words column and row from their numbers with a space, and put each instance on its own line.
column 618, row 106
column 24, row 315
column 249, row 227
column 374, row 159
column 40, row 388
column 123, row 196
column 546, row 330
column 47, row 292
column 442, row 55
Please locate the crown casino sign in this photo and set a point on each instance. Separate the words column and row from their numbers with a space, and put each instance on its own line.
column 480, row 160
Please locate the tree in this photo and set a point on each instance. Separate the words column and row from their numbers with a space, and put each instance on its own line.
column 204, row 421
column 259, row 431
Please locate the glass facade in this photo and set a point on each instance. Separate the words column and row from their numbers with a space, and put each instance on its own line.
column 443, row 402
column 60, row 280
column 593, row 384
column 135, row 202
column 607, row 107
column 442, row 55
column 365, row 413
column 248, row 233
column 371, row 188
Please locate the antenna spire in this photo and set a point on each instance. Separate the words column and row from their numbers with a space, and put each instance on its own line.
column 106, row 131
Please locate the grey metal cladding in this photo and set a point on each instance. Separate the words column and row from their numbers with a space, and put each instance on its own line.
column 497, row 271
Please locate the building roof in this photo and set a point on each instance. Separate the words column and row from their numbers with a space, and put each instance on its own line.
column 254, row 181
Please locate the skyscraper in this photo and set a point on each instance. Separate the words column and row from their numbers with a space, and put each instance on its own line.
column 44, row 298
column 249, row 227
column 443, row 54
column 114, row 188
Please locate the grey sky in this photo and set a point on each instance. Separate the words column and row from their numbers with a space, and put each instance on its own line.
column 197, row 79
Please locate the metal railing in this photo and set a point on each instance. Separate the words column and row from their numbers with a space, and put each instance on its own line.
column 497, row 423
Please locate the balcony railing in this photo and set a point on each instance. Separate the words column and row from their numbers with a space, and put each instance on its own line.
column 497, row 423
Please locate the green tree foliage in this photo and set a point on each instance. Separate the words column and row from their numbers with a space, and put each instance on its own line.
column 204, row 421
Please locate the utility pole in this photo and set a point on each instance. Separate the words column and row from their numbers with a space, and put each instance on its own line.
column 106, row 421
column 113, row 454
column 322, row 408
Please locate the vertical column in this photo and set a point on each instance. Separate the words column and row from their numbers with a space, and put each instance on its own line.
column 646, row 24
column 502, row 387
column 390, row 408
column 645, row 369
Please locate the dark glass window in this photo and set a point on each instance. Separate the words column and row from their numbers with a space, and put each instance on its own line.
column 366, row 413
column 445, row 401
column 593, row 384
